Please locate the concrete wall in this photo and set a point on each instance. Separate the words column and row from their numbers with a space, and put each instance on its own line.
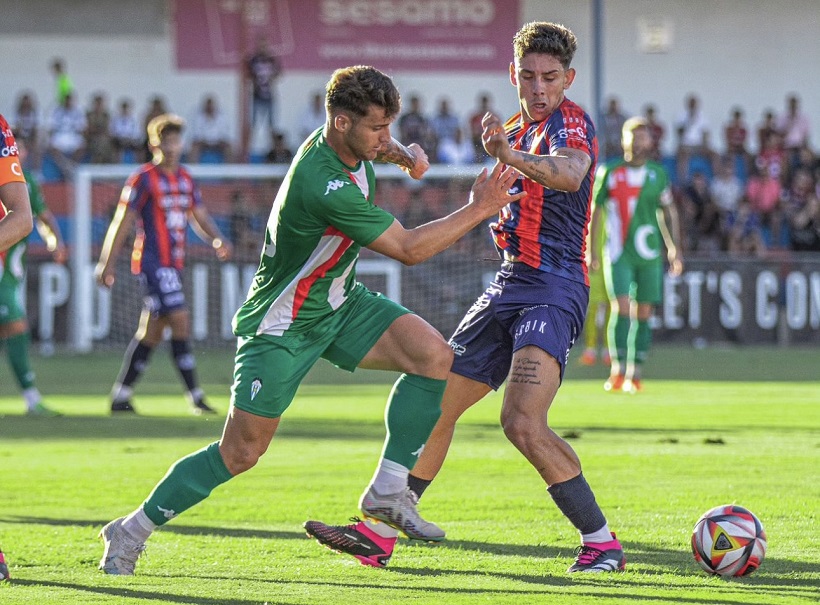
column 729, row 52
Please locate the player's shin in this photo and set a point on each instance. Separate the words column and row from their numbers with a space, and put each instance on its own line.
column 189, row 481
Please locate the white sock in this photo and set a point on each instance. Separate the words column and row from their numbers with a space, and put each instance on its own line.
column 32, row 397
column 139, row 525
column 390, row 477
column 121, row 393
column 381, row 529
column 597, row 537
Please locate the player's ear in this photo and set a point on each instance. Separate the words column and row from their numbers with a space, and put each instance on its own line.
column 569, row 77
column 342, row 122
column 513, row 78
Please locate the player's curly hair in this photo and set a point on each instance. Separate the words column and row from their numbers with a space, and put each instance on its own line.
column 356, row 88
column 546, row 38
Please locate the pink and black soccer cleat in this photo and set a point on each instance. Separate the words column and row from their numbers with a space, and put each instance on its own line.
column 355, row 539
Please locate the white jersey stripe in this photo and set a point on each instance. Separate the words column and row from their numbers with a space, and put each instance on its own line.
column 280, row 314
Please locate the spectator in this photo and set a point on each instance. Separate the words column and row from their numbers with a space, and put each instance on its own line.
column 414, row 127
column 66, row 142
column 280, row 153
column 693, row 136
column 209, row 134
column 444, row 123
column 766, row 128
column 610, row 132
column 702, row 216
column 744, row 230
column 98, row 132
column 474, row 121
column 801, row 210
column 725, row 188
column 456, row 151
column 736, row 134
column 656, row 131
column 262, row 69
column 313, row 117
column 26, row 126
column 125, row 133
column 243, row 233
column 794, row 126
column 65, row 86
column 763, row 192
column 156, row 107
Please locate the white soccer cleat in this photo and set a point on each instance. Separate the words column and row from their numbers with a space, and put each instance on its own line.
column 399, row 511
column 121, row 551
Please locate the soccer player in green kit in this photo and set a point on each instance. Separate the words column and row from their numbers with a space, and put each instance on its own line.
column 635, row 209
column 305, row 303
column 14, row 329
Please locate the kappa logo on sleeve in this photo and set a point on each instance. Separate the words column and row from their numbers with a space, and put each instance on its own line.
column 334, row 185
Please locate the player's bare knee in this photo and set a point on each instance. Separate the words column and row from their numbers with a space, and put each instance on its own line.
column 520, row 429
column 438, row 361
column 242, row 457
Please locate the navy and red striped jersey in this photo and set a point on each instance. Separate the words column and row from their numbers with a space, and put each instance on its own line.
column 547, row 229
column 164, row 201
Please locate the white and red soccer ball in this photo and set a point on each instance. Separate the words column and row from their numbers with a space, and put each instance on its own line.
column 729, row 540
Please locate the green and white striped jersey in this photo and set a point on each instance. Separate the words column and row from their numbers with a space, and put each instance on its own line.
column 321, row 217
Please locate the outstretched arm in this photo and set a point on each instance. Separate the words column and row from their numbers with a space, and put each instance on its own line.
column 411, row 158
column 562, row 171
column 17, row 223
column 490, row 193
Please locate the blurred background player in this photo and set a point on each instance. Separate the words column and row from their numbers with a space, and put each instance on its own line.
column 597, row 319
column 14, row 329
column 162, row 198
column 15, row 216
column 306, row 304
column 635, row 210
column 523, row 326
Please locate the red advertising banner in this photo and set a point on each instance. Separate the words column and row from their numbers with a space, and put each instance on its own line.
column 418, row 35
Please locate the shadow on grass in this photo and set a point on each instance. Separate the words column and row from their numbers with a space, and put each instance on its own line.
column 677, row 562
column 343, row 429
column 152, row 595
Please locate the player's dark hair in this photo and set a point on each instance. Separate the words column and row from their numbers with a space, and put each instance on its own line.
column 356, row 88
column 545, row 38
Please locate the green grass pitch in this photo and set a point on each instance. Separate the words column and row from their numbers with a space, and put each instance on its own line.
column 711, row 427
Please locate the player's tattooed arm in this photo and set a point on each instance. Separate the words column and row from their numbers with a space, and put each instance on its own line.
column 564, row 171
column 411, row 158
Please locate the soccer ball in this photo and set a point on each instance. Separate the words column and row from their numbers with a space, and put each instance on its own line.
column 729, row 540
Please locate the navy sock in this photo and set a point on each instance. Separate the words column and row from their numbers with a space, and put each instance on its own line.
column 577, row 502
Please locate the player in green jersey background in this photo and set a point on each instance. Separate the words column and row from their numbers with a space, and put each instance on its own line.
column 634, row 208
column 14, row 330
column 305, row 303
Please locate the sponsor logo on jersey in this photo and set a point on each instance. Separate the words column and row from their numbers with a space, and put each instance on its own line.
column 334, row 185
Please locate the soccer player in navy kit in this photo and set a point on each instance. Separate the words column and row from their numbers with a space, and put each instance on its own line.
column 523, row 326
column 162, row 197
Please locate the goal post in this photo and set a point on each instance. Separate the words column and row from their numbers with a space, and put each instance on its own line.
column 439, row 289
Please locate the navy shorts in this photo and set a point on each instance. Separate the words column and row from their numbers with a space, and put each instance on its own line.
column 522, row 306
column 163, row 290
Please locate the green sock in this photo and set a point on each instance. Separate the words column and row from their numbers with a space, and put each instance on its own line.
column 413, row 408
column 643, row 339
column 189, row 481
column 18, row 358
column 619, row 336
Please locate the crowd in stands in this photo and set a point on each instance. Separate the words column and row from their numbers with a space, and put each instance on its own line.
column 729, row 198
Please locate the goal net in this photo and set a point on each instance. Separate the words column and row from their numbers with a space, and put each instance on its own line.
column 239, row 198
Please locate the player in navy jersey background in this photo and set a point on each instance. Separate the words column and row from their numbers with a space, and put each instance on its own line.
column 160, row 198
column 523, row 326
